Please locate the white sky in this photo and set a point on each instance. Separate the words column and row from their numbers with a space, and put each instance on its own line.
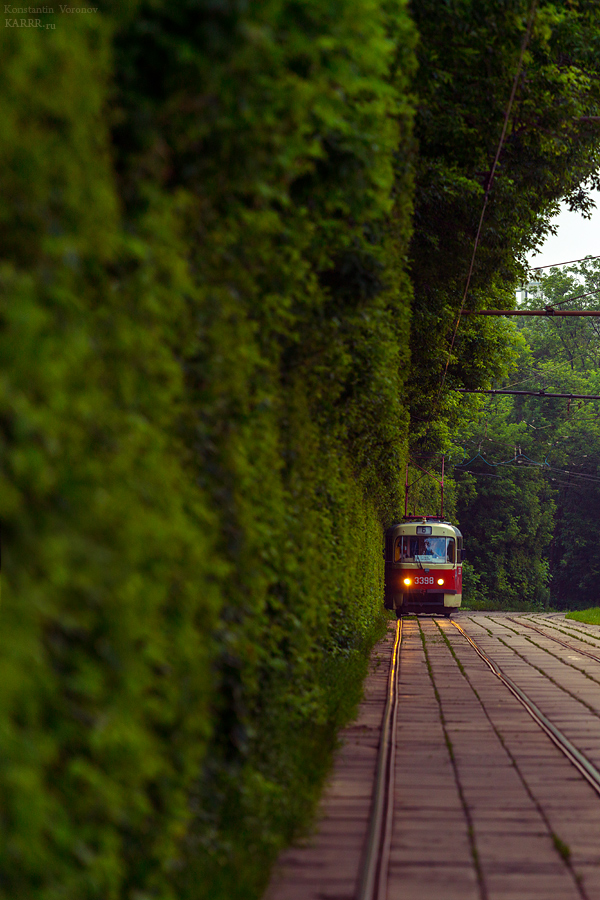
column 576, row 237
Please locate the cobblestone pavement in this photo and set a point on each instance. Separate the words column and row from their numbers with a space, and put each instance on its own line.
column 485, row 805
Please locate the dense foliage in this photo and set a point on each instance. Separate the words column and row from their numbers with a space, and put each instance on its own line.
column 205, row 212
column 206, row 308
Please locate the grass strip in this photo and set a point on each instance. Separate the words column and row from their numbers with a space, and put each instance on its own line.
column 588, row 616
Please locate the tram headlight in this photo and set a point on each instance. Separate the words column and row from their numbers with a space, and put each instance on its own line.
column 407, row 581
column 440, row 580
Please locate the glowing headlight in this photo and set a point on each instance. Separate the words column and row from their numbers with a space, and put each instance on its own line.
column 407, row 581
column 440, row 580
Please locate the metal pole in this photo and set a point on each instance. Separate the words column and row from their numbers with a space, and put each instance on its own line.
column 406, row 492
column 531, row 312
column 530, row 394
column 442, row 484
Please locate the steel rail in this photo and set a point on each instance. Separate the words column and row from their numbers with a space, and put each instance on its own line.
column 373, row 885
column 584, row 766
column 558, row 640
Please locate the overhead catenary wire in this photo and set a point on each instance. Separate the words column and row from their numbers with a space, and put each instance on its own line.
column 556, row 482
column 546, row 373
column 522, row 461
column 504, row 462
column 570, row 486
column 478, row 441
column 512, row 443
column 585, row 475
column 488, row 188
column 482, row 474
column 567, row 263
column 577, row 297
column 549, row 445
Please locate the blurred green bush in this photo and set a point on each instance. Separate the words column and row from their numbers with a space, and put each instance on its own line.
column 204, row 216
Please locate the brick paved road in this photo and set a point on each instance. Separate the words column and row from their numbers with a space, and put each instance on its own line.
column 485, row 805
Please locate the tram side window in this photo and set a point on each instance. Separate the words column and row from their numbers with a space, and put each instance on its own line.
column 410, row 547
column 403, row 549
column 450, row 553
column 406, row 548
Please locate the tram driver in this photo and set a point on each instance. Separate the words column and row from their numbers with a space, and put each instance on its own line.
column 435, row 547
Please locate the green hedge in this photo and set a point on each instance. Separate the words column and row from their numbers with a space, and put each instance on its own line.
column 205, row 211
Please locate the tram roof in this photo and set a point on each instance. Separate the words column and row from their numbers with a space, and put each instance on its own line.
column 437, row 525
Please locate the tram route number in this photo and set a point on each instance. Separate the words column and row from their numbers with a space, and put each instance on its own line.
column 425, row 579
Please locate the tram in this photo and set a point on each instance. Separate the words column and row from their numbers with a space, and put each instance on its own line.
column 423, row 566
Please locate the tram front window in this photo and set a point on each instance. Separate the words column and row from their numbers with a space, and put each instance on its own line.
column 427, row 549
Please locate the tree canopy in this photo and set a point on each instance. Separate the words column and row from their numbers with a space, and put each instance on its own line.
column 468, row 58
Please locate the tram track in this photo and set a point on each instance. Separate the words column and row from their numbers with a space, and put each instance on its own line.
column 551, row 637
column 581, row 762
column 373, row 885
column 593, row 710
column 466, row 799
column 374, row 880
column 572, row 629
column 465, row 806
column 578, row 650
column 569, row 629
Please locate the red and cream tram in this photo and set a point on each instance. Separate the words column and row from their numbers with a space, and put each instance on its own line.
column 423, row 566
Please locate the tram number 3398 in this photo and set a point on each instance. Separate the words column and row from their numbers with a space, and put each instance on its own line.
column 425, row 579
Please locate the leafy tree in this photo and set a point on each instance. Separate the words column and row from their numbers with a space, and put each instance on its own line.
column 505, row 507
column 468, row 56
column 565, row 358
column 560, row 355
